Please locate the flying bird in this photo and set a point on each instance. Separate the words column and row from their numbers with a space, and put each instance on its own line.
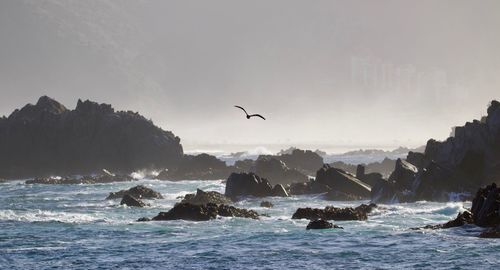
column 250, row 115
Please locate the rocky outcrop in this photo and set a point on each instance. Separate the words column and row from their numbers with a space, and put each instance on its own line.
column 199, row 167
column 106, row 177
column 339, row 180
column 132, row 201
column 140, row 192
column 276, row 171
column 205, row 197
column 385, row 167
column 486, row 206
column 333, row 213
column 49, row 139
column 250, row 184
column 187, row 211
column 459, row 165
column 485, row 212
column 321, row 224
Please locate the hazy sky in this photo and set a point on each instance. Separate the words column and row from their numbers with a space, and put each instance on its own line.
column 339, row 73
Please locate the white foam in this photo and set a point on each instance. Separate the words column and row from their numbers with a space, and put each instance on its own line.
column 47, row 216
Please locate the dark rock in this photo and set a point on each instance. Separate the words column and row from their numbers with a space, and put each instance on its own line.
column 48, row 139
column 204, row 197
column 385, row 167
column 200, row 167
column 132, row 201
column 144, row 219
column 307, row 162
column 339, row 180
column 461, row 219
column 104, row 178
column 187, row 211
column 245, row 165
column 321, row 224
column 279, row 191
column 491, row 233
column 333, row 213
column 266, row 204
column 140, row 192
column 300, row 189
column 277, row 172
column 486, row 206
column 403, row 175
column 417, row 159
column 247, row 184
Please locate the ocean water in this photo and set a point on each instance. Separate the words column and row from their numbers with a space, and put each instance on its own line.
column 73, row 227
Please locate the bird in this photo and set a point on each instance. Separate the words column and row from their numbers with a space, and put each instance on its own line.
column 250, row 115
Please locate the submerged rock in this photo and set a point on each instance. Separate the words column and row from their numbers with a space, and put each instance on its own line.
column 187, row 211
column 333, row 213
column 140, row 192
column 204, row 197
column 461, row 219
column 491, row 233
column 321, row 224
column 266, row 204
column 49, row 139
column 132, row 201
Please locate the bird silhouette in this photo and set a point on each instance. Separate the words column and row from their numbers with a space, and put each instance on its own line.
column 250, row 115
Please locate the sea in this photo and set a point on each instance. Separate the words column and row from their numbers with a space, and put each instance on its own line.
column 74, row 227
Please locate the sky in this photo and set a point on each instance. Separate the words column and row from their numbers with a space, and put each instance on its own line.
column 325, row 74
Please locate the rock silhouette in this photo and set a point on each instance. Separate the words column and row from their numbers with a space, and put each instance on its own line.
column 49, row 139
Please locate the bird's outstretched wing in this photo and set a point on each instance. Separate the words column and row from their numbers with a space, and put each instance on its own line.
column 241, row 108
column 257, row 115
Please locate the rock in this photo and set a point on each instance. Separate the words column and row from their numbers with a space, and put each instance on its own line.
column 49, row 139
column 491, row 233
column 144, row 219
column 486, row 206
column 132, row 201
column 333, row 213
column 417, row 159
column 204, row 197
column 279, row 191
column 333, row 195
column 461, row 219
column 305, row 161
column 277, row 172
column 266, row 204
column 385, row 167
column 339, row 180
column 300, row 188
column 187, row 211
column 200, row 167
column 245, row 165
column 247, row 184
column 321, row 224
column 403, row 175
column 140, row 192
column 105, row 178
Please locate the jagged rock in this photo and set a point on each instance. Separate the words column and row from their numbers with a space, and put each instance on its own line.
column 48, row 139
column 385, row 167
column 204, row 197
column 339, row 180
column 403, row 175
column 132, row 201
column 266, row 204
column 486, row 206
column 199, row 167
column 247, row 184
column 140, row 192
column 307, row 162
column 299, row 188
column 417, row 159
column 187, row 211
column 279, row 191
column 276, row 171
column 321, row 224
column 333, row 213
column 461, row 219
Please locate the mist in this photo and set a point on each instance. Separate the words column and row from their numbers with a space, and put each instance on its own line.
column 325, row 74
